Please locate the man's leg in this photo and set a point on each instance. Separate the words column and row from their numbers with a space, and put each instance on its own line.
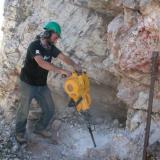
column 46, row 103
column 26, row 95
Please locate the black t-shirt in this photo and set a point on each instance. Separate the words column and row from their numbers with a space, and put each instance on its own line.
column 32, row 73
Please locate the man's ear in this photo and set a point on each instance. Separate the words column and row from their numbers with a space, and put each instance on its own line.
column 47, row 34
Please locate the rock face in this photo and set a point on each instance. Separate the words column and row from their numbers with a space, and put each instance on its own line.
column 112, row 39
column 86, row 42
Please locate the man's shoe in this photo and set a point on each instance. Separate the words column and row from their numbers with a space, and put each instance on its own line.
column 20, row 137
column 43, row 133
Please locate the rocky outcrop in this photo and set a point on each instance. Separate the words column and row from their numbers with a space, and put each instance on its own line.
column 132, row 38
column 85, row 42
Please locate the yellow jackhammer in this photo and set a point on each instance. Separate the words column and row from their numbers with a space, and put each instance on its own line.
column 77, row 88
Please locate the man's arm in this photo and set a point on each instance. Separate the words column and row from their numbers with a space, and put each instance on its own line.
column 50, row 67
column 69, row 61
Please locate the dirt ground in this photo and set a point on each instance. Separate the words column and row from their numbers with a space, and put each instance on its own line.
column 70, row 137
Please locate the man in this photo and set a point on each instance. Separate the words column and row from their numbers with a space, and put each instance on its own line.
column 33, row 80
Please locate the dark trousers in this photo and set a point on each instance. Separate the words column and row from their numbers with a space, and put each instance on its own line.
column 43, row 97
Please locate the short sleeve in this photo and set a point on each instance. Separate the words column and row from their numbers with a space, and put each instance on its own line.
column 34, row 49
column 55, row 51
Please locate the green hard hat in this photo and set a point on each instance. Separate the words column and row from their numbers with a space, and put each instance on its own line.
column 53, row 26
